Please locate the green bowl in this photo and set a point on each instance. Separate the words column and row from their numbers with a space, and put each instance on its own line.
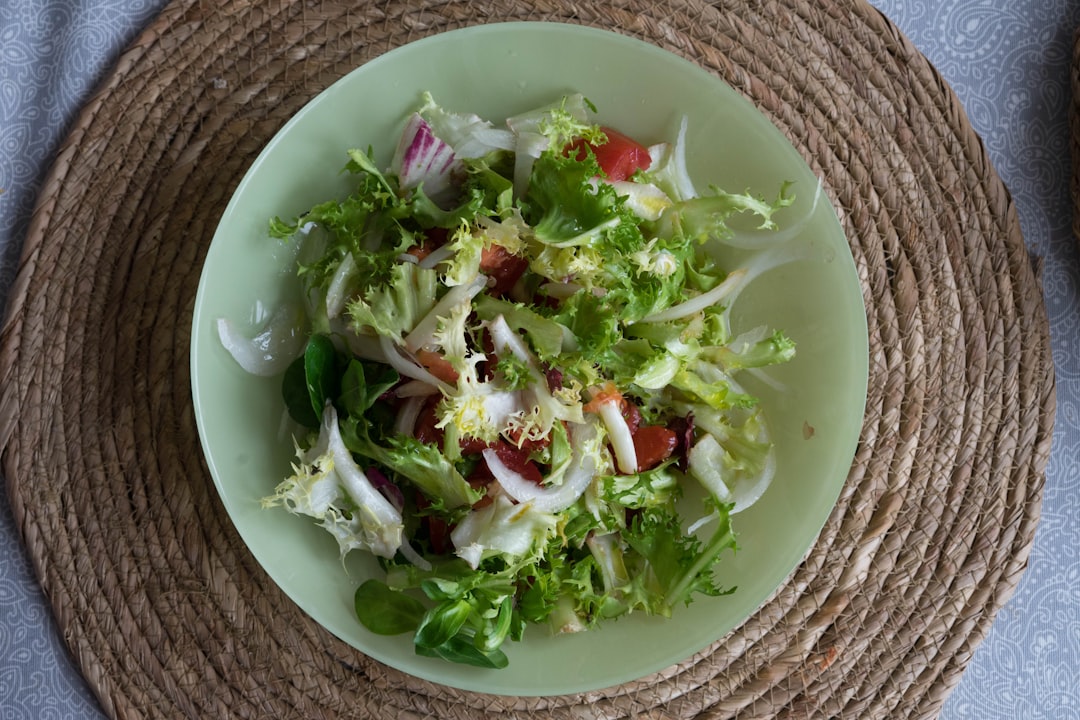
column 496, row 71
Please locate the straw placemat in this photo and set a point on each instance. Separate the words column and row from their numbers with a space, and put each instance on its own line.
column 168, row 615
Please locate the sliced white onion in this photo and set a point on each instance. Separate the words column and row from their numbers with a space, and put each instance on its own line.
column 436, row 256
column 503, row 338
column 749, row 490
column 335, row 292
column 406, row 366
column 424, row 331
column 529, row 147
column 269, row 353
column 416, row 388
column 705, row 300
column 414, row 557
column 763, row 376
column 484, row 140
column 387, row 535
column 763, row 239
column 405, row 422
column 763, row 262
column 669, row 159
column 622, row 442
column 705, row 459
column 682, row 180
column 702, row 522
column 577, row 479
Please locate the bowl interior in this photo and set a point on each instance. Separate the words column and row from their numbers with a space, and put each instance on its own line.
column 497, row 71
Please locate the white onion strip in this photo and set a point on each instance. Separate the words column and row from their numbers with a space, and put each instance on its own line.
column 504, row 338
column 335, row 292
column 436, row 256
column 702, row 522
column 407, row 367
column 705, row 300
column 683, row 184
column 269, row 353
column 749, row 490
column 385, row 536
column 416, row 388
column 414, row 557
column 582, row 471
column 622, row 442
column 762, row 239
column 405, row 422
column 422, row 334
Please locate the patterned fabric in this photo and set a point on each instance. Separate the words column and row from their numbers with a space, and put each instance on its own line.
column 1008, row 62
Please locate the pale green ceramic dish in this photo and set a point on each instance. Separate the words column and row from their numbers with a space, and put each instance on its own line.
column 496, row 71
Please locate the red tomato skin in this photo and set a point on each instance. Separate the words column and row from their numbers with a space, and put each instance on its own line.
column 619, row 158
column 654, row 444
column 632, row 415
column 425, row 430
column 517, row 459
column 505, row 267
column 439, row 534
column 439, row 366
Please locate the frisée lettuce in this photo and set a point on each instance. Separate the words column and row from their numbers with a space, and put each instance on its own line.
column 518, row 360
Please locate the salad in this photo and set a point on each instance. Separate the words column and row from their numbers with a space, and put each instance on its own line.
column 513, row 376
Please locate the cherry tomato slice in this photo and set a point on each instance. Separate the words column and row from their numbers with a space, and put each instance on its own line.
column 619, row 158
column 517, row 460
column 425, row 430
column 654, row 444
column 433, row 239
column 439, row 366
column 505, row 267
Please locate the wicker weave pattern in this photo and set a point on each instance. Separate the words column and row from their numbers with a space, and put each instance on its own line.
column 168, row 615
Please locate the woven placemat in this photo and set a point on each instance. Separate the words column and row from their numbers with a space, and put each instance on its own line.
column 168, row 615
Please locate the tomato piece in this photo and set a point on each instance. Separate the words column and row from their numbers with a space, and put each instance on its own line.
column 654, row 444
column 433, row 240
column 425, row 430
column 438, row 530
column 439, row 366
column 619, row 158
column 472, row 445
column 528, row 445
column 486, row 367
column 604, row 394
column 632, row 415
column 506, row 268
column 684, row 431
column 480, row 477
column 517, row 460
column 438, row 534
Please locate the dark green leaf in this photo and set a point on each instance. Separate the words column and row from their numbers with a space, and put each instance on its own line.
column 496, row 630
column 385, row 611
column 363, row 383
column 442, row 622
column 320, row 365
column 294, row 391
column 460, row 649
column 441, row 589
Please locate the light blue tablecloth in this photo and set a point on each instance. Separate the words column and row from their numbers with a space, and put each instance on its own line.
column 1008, row 62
